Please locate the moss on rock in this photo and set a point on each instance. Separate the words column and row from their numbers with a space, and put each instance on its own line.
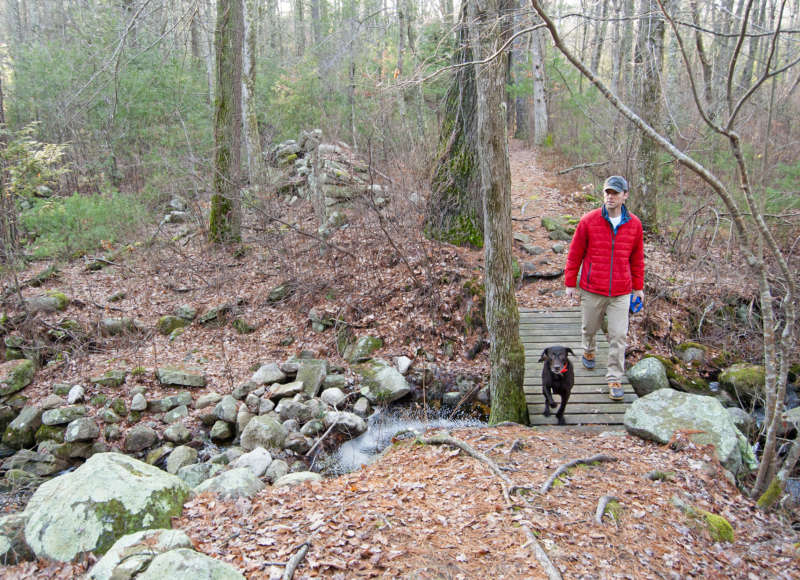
column 720, row 529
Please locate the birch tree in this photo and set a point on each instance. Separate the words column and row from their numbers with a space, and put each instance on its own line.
column 255, row 157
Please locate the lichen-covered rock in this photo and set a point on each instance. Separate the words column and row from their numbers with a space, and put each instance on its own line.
column 38, row 464
column 263, row 431
column 221, row 431
column 107, row 497
column 139, row 438
column 13, row 547
column 15, row 375
column 132, row 554
column 660, row 414
column 113, row 378
column 83, row 429
column 63, row 415
column 181, row 457
column 52, row 301
column 185, row 377
column 346, row 423
column 648, row 375
column 268, row 374
column 119, row 326
column 231, row 484
column 691, row 352
column 312, row 373
column 188, row 564
column 256, row 461
column 227, row 409
column 298, row 478
column 382, row 382
column 166, row 324
column 363, row 349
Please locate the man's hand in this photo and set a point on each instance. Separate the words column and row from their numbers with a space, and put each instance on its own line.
column 640, row 294
column 573, row 294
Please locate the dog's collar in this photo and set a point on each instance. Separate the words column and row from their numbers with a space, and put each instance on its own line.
column 565, row 369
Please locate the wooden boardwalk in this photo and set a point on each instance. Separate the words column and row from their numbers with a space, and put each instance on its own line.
column 589, row 403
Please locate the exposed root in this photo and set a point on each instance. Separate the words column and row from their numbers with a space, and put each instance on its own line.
column 601, row 508
column 295, row 560
column 594, row 459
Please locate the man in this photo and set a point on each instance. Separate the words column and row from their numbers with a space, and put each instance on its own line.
column 608, row 249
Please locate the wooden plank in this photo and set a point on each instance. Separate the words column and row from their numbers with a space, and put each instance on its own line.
column 580, row 398
column 585, row 408
column 585, row 419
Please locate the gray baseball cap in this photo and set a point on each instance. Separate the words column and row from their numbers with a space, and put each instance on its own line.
column 617, row 183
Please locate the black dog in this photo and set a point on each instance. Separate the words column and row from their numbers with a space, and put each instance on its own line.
column 557, row 378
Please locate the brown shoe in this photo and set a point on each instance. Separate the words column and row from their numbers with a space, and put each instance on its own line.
column 588, row 360
column 615, row 392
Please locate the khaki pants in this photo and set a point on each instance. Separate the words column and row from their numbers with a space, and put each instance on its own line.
column 593, row 308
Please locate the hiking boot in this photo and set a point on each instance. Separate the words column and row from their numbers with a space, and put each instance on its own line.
column 615, row 392
column 588, row 360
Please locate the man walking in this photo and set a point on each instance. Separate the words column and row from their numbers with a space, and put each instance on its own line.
column 608, row 249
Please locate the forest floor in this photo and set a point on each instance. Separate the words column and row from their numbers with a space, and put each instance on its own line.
column 421, row 511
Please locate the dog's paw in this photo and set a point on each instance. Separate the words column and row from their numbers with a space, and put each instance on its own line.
column 554, row 404
column 546, row 411
column 561, row 420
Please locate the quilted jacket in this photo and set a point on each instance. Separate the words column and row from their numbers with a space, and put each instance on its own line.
column 613, row 260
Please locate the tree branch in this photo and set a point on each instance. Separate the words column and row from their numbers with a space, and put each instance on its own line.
column 594, row 459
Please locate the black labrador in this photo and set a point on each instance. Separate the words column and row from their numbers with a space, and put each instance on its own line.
column 557, row 378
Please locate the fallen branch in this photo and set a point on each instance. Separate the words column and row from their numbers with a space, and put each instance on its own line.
column 541, row 556
column 294, row 561
column 601, row 508
column 596, row 458
column 582, row 166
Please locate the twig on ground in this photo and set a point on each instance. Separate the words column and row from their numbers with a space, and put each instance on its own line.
column 582, row 166
column 515, row 446
column 294, row 561
column 601, row 507
column 596, row 458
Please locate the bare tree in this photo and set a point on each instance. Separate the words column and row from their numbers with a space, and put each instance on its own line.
column 255, row 157
column 760, row 251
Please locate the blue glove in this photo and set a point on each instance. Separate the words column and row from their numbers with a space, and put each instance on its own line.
column 636, row 304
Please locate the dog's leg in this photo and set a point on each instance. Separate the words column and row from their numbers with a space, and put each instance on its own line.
column 548, row 398
column 560, row 412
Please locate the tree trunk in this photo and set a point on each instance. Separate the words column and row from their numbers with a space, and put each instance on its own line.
column 226, row 213
column 255, row 157
column 455, row 212
column 599, row 35
column 541, row 121
column 299, row 28
column 506, row 354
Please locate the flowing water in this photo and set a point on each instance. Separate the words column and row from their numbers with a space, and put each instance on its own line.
column 381, row 427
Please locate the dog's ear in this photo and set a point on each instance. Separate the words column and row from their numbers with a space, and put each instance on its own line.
column 569, row 350
column 545, row 353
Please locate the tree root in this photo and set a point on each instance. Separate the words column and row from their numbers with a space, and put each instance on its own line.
column 596, row 458
column 601, row 508
column 541, row 556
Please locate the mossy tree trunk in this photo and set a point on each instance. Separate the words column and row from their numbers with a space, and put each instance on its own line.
column 454, row 213
column 506, row 353
column 255, row 157
column 226, row 212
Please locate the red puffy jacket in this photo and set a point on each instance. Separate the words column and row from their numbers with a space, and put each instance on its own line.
column 613, row 262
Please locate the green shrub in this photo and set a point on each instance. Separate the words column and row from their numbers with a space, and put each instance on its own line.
column 79, row 224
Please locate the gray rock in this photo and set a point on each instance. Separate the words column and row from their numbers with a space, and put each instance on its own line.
column 109, row 416
column 403, row 364
column 107, row 497
column 13, row 548
column 298, row 443
column 181, row 457
column 243, row 417
column 648, row 375
column 334, row 381
column 139, row 438
column 38, row 464
column 207, row 400
column 382, row 383
column 244, row 389
column 660, row 414
column 133, row 553
column 120, row 326
column 263, row 431
column 268, row 374
column 311, row 373
column 742, row 419
column 177, row 433
column 312, row 428
column 333, row 396
column 559, row 248
column 265, row 405
column 170, row 402
column 363, row 349
column 139, row 403
column 252, row 401
column 362, row 407
column 20, row 432
column 278, row 391
column 231, row 484
column 63, row 415
column 293, row 409
column 349, row 424
column 186, row 377
column 113, row 378
column 277, row 469
column 227, row 409
column 176, row 414
column 50, row 302
column 186, row 311
column 76, row 394
column 256, row 461
column 221, row 431
column 166, row 325
column 193, row 475
column 691, row 353
column 187, row 564
column 292, row 479
column 15, row 375
column 83, row 429
column 178, row 204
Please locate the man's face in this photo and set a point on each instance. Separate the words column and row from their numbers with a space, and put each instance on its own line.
column 614, row 199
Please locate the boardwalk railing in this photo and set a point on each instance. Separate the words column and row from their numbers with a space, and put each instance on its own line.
column 589, row 403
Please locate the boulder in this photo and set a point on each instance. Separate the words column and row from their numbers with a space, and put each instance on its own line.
column 76, row 394
column 83, row 429
column 660, row 414
column 38, row 464
column 648, row 375
column 293, row 409
column 112, row 378
column 166, row 324
column 64, row 415
column 207, row 400
column 139, row 438
column 333, row 396
column 118, row 326
column 298, row 478
column 691, row 353
column 382, row 382
column 188, row 564
column 50, row 302
column 403, row 364
column 242, row 390
column 349, row 424
column 15, row 375
column 182, row 377
column 196, row 473
column 170, row 402
column 263, row 431
column 311, row 373
column 132, row 554
column 256, row 461
column 227, row 409
column 363, row 349
column 107, row 497
column 177, row 433
column 268, row 374
column 278, row 391
column 277, row 469
column 221, row 431
column 181, row 457
column 138, row 403
column 22, row 430
column 743, row 381
column 231, row 484
column 176, row 414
